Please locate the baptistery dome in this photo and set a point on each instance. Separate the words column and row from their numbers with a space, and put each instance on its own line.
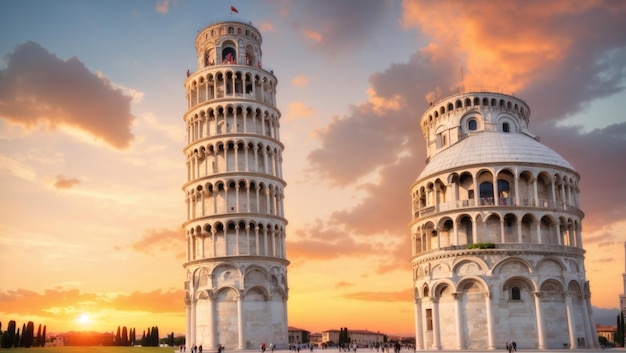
column 494, row 147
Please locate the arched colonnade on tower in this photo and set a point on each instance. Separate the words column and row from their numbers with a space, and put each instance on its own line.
column 234, row 155
column 248, row 237
column 226, row 82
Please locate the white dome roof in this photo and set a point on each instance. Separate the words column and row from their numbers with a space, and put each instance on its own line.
column 494, row 147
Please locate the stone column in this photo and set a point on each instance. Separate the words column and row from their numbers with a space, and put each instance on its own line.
column 212, row 344
column 570, row 320
column 491, row 344
column 240, row 321
column 591, row 337
column 188, row 320
column 192, row 334
column 436, row 334
column 541, row 336
column 419, row 334
column 460, row 333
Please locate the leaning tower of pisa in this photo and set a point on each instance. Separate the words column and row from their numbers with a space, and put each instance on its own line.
column 496, row 233
column 236, row 268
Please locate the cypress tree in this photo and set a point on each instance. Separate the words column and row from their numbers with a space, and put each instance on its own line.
column 118, row 337
column 620, row 329
column 124, row 336
column 17, row 342
column 43, row 337
column 155, row 336
column 37, row 342
column 144, row 340
column 8, row 336
column 29, row 334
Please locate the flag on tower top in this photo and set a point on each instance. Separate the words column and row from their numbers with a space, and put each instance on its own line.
column 233, row 9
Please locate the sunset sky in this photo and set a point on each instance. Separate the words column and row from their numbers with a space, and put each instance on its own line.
column 92, row 132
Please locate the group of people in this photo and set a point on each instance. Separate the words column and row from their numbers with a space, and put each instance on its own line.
column 264, row 347
column 194, row 349
column 511, row 346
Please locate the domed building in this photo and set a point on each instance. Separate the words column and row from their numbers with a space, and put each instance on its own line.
column 236, row 267
column 497, row 252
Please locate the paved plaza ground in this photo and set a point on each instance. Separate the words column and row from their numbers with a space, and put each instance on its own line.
column 365, row 350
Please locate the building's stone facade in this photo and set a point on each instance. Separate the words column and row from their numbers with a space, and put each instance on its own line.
column 236, row 286
column 496, row 233
column 362, row 338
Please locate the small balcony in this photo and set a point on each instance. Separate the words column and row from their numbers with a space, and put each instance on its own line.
column 504, row 202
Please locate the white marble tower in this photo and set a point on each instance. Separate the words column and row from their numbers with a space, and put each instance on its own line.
column 236, row 266
column 496, row 233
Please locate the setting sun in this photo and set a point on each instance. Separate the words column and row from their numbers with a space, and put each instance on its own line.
column 84, row 318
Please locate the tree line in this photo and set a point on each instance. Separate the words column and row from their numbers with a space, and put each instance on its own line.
column 14, row 337
column 25, row 338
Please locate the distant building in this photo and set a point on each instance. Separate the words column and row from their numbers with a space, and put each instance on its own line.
column 298, row 335
column 362, row 338
column 55, row 341
column 497, row 233
column 316, row 339
column 607, row 332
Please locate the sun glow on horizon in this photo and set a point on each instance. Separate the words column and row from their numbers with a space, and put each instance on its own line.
column 84, row 319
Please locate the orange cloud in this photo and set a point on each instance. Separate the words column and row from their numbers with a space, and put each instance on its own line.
column 163, row 6
column 62, row 182
column 38, row 87
column 298, row 110
column 160, row 240
column 381, row 104
column 266, row 27
column 314, row 36
column 300, row 81
column 501, row 45
column 343, row 284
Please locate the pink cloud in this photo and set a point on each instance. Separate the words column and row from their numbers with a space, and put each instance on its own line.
column 62, row 182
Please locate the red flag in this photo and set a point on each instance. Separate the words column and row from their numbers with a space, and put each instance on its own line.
column 233, row 9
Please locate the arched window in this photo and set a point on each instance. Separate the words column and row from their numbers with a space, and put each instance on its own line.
column 472, row 125
column 516, row 293
column 486, row 191
column 506, row 127
column 503, row 188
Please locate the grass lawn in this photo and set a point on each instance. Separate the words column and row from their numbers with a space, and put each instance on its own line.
column 97, row 349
